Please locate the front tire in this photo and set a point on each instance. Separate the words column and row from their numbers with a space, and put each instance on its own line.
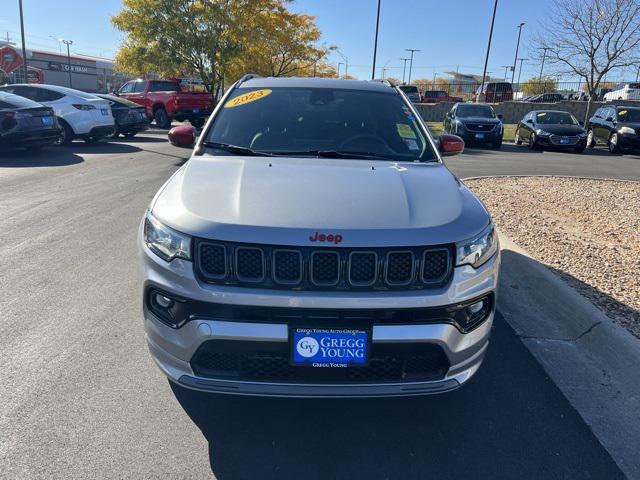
column 197, row 122
column 161, row 118
column 580, row 149
column 518, row 140
column 92, row 140
column 115, row 134
column 591, row 141
column 130, row 134
column 533, row 142
column 614, row 143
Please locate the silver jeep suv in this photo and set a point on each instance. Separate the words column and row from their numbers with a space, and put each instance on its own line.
column 315, row 245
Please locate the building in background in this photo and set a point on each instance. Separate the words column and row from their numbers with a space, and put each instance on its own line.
column 90, row 74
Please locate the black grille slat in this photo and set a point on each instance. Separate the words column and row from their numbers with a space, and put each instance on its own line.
column 249, row 264
column 313, row 268
column 325, row 268
column 287, row 266
column 399, row 267
column 435, row 265
column 213, row 260
column 363, row 268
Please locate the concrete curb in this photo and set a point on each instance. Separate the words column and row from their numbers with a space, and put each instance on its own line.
column 592, row 360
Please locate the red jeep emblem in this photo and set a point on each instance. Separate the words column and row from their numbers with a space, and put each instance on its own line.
column 335, row 238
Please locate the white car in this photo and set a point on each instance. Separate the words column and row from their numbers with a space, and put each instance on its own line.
column 80, row 114
column 626, row 91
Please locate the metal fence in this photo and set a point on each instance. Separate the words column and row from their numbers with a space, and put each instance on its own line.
column 547, row 91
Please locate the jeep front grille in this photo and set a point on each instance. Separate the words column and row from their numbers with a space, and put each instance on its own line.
column 307, row 268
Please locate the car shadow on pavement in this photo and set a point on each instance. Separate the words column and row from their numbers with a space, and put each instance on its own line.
column 101, row 148
column 509, row 421
column 47, row 157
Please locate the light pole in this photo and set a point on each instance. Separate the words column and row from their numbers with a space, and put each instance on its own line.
column 404, row 68
column 67, row 43
column 375, row 43
column 515, row 60
column 522, row 60
column 506, row 69
column 486, row 58
column 412, row 50
column 338, row 72
column 346, row 60
column 24, row 49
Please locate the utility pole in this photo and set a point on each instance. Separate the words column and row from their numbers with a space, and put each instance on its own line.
column 515, row 60
column 404, row 68
column 67, row 43
column 338, row 72
column 375, row 43
column 24, row 49
column 544, row 55
column 522, row 60
column 506, row 69
column 412, row 50
column 346, row 60
column 486, row 58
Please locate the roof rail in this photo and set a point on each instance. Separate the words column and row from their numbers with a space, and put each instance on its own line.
column 248, row 76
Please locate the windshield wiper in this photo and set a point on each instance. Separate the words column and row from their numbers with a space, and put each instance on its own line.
column 339, row 154
column 237, row 149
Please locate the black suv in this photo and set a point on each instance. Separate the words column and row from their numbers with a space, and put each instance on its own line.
column 617, row 127
column 475, row 123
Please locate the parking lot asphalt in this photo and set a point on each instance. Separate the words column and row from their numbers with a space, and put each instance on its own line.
column 81, row 397
column 514, row 159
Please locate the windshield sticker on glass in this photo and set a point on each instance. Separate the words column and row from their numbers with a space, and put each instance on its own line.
column 405, row 131
column 542, row 114
column 411, row 144
column 247, row 98
column 622, row 113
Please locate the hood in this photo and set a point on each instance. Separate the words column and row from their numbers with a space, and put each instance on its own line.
column 562, row 129
column 286, row 200
column 479, row 120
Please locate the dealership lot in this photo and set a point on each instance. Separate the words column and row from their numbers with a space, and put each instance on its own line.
column 82, row 398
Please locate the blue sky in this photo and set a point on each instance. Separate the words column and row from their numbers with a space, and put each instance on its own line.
column 450, row 34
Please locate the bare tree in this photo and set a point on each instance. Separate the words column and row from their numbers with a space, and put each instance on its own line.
column 589, row 38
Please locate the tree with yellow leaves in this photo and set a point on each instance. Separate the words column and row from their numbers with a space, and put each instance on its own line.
column 216, row 39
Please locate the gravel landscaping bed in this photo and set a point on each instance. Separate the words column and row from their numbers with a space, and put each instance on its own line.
column 588, row 231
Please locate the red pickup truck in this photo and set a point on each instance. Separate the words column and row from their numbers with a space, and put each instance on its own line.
column 438, row 96
column 166, row 101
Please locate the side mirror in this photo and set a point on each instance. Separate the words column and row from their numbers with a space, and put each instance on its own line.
column 500, row 116
column 183, row 136
column 115, row 93
column 450, row 145
column 609, row 119
column 581, row 123
column 530, row 121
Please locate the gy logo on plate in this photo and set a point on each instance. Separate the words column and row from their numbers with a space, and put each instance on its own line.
column 307, row 347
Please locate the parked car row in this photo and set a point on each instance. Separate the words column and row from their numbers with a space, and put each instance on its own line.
column 73, row 114
column 618, row 127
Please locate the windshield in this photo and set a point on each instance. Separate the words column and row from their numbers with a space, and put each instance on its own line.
column 553, row 118
column 306, row 121
column 629, row 115
column 471, row 110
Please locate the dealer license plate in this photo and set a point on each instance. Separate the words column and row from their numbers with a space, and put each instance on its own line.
column 104, row 111
column 479, row 136
column 564, row 140
column 328, row 347
column 47, row 120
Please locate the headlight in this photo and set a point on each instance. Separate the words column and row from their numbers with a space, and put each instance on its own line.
column 165, row 242
column 628, row 130
column 459, row 126
column 477, row 251
column 539, row 131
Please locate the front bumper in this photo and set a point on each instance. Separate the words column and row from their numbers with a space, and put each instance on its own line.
column 487, row 137
column 630, row 141
column 173, row 349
